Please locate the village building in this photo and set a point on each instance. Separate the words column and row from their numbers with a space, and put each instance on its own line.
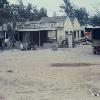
column 47, row 31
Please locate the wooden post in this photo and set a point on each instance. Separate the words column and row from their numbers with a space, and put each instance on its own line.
column 3, row 38
column 18, row 35
column 56, row 35
column 39, row 39
column 5, row 35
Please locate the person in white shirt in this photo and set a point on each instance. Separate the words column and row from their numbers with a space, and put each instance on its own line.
column 21, row 46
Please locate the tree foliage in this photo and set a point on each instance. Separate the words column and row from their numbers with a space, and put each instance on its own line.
column 74, row 12
column 95, row 20
column 4, row 15
column 2, row 3
column 23, row 13
column 68, row 8
column 20, row 12
column 82, row 15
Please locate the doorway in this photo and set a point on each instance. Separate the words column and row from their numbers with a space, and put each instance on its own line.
column 39, row 37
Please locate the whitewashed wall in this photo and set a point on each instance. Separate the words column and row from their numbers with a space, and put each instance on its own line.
column 77, row 28
column 51, row 34
column 60, row 34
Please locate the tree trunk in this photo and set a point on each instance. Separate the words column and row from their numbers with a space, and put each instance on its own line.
column 3, row 38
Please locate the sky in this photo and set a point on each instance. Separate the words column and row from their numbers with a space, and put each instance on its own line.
column 53, row 5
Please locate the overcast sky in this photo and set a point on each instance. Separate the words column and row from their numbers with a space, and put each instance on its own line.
column 53, row 5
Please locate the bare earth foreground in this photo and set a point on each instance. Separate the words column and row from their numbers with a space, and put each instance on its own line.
column 66, row 74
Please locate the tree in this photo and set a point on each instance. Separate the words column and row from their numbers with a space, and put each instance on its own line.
column 68, row 8
column 35, row 14
column 3, row 3
column 74, row 12
column 82, row 15
column 3, row 16
column 43, row 12
column 23, row 13
column 3, row 11
column 95, row 20
column 11, row 33
column 29, row 12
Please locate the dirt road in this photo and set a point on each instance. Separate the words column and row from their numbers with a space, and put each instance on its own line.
column 66, row 74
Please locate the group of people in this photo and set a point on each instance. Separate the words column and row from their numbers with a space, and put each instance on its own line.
column 30, row 46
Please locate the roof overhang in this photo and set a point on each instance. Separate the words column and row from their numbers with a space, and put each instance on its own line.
column 34, row 30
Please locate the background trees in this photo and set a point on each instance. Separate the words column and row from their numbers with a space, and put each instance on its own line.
column 20, row 12
column 81, row 14
column 73, row 12
column 23, row 13
column 68, row 8
column 2, row 3
column 95, row 20
column 4, row 16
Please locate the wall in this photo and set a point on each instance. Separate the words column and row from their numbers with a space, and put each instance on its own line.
column 60, row 34
column 77, row 29
column 52, row 34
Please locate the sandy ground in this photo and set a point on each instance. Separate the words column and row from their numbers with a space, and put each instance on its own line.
column 66, row 74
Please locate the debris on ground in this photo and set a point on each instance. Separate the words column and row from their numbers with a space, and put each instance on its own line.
column 10, row 71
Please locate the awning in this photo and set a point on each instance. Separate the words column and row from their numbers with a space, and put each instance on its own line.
column 41, row 29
